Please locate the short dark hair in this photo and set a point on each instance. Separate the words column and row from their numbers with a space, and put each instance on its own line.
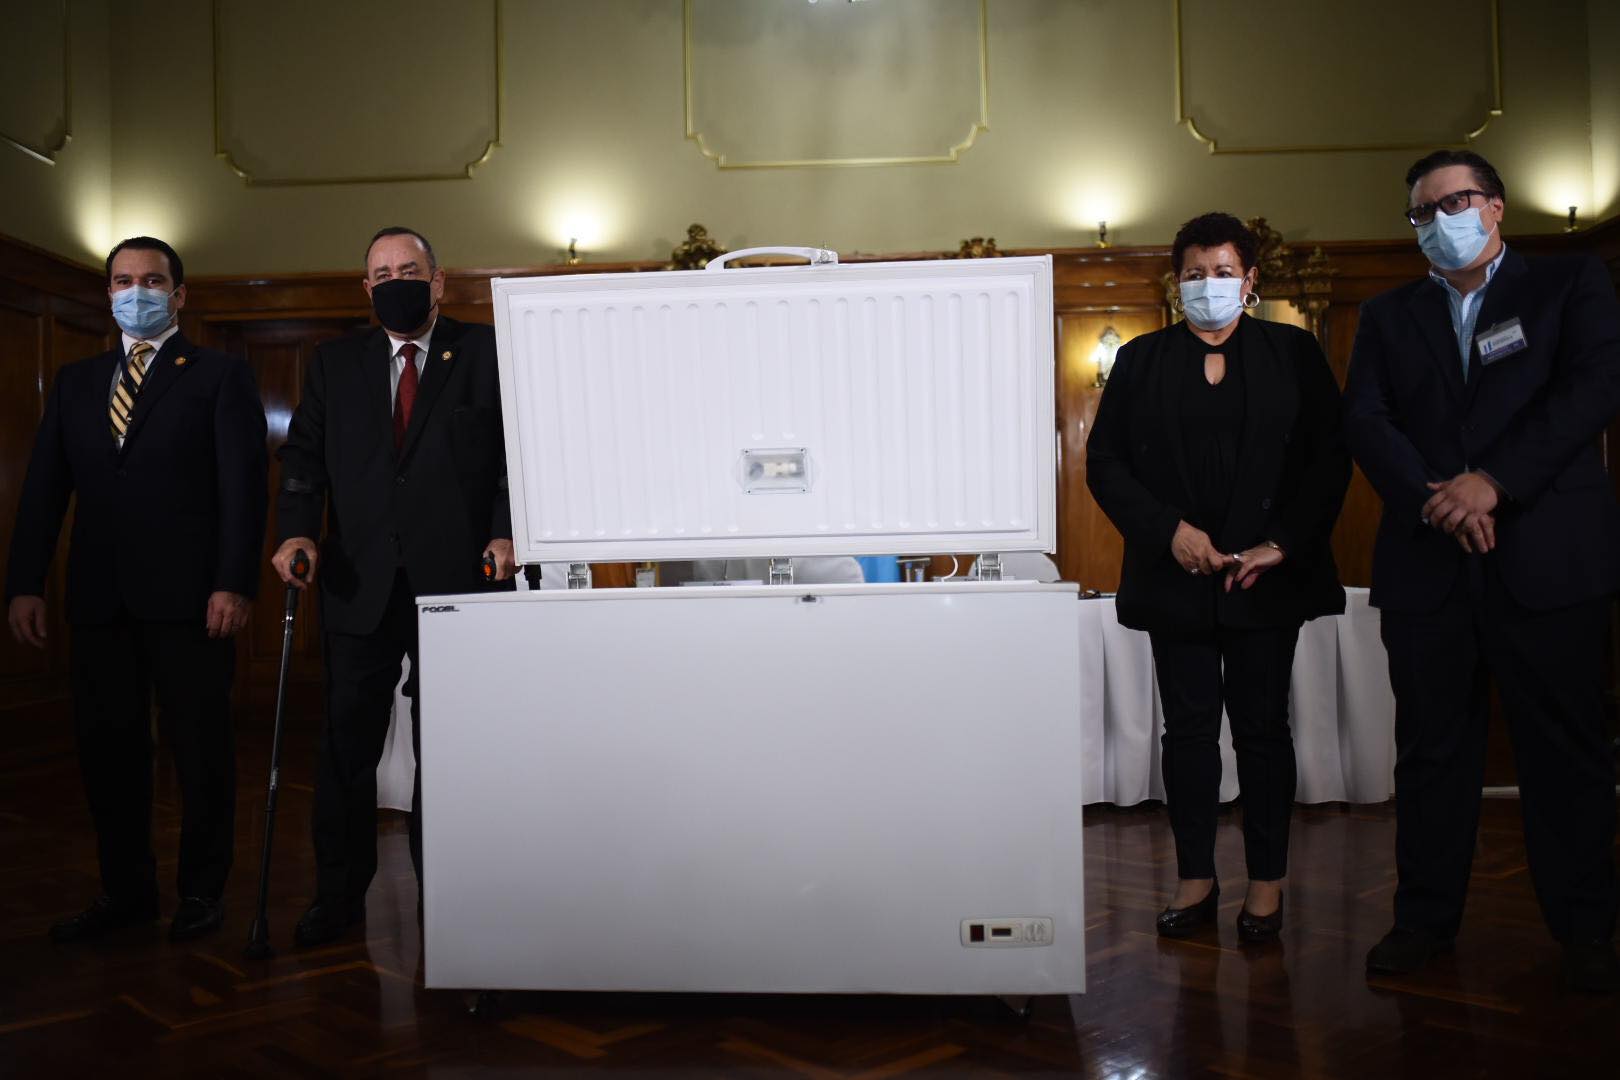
column 177, row 269
column 401, row 230
column 1211, row 230
column 1484, row 173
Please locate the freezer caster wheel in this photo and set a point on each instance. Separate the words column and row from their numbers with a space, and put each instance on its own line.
column 484, row 1004
column 1022, row 1006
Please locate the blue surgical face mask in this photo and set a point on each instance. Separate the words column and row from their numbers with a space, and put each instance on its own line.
column 1452, row 241
column 1213, row 302
column 141, row 312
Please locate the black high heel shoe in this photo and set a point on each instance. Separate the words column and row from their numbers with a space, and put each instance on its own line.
column 1187, row 921
column 1258, row 929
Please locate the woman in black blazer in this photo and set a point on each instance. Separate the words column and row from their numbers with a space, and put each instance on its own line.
column 1217, row 452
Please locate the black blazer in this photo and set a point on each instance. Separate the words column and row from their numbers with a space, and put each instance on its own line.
column 1292, row 472
column 1530, row 420
column 432, row 508
column 175, row 515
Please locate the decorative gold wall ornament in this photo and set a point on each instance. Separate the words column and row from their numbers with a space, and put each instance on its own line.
column 464, row 173
column 978, row 247
column 47, row 154
column 1491, row 113
column 950, row 156
column 1308, row 286
column 1272, row 258
column 696, row 250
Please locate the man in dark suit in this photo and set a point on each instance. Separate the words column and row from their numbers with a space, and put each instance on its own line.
column 1475, row 401
column 163, row 445
column 398, row 440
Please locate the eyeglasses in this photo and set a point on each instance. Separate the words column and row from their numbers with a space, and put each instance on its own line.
column 1454, row 203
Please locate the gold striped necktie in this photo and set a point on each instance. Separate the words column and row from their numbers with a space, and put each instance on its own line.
column 122, row 408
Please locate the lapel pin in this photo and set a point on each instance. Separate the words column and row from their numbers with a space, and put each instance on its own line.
column 179, row 361
column 445, row 355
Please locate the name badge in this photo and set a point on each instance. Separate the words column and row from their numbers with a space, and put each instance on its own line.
column 1501, row 341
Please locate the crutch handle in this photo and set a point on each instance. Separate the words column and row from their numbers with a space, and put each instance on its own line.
column 489, row 566
column 300, row 570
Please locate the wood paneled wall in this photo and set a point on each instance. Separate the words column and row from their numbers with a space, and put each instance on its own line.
column 52, row 312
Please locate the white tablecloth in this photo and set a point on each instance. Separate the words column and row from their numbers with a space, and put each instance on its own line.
column 1342, row 708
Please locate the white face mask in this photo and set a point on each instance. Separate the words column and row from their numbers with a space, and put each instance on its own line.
column 1452, row 241
column 1211, row 303
column 141, row 312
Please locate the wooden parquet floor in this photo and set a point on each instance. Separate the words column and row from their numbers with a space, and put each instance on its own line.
column 135, row 1005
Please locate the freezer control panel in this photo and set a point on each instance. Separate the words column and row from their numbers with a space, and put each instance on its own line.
column 1015, row 932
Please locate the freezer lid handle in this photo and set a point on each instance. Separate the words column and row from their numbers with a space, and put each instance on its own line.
column 817, row 256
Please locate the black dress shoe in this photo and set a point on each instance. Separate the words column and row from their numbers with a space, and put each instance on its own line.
column 1187, row 921
column 1257, row 929
column 327, row 921
column 1403, row 951
column 1591, row 967
column 103, row 916
column 195, row 917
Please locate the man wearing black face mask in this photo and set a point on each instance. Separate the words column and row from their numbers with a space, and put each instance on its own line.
column 398, row 441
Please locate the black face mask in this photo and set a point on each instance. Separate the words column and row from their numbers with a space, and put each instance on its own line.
column 402, row 304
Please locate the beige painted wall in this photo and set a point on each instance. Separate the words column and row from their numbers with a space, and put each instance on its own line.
column 1603, row 42
column 1082, row 125
column 65, row 207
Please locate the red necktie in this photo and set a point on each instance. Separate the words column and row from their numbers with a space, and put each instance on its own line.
column 406, row 395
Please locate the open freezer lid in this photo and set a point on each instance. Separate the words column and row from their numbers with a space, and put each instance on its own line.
column 878, row 408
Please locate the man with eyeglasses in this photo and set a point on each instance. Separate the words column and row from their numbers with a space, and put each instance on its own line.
column 1474, row 403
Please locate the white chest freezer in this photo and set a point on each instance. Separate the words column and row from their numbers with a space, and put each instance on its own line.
column 783, row 788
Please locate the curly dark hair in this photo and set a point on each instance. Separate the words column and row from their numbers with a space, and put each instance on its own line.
column 1485, row 174
column 1211, row 230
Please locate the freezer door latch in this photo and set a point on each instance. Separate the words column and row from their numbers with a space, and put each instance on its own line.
column 579, row 575
column 988, row 567
column 781, row 571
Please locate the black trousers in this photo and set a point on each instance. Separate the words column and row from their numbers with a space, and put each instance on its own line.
column 361, row 673
column 1548, row 667
column 1247, row 672
column 116, row 668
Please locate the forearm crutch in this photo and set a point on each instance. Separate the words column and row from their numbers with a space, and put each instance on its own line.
column 258, row 946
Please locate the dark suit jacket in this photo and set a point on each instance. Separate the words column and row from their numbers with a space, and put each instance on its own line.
column 1530, row 420
column 175, row 515
column 432, row 508
column 1292, row 472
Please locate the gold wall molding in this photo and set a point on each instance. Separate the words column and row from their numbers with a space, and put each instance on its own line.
column 41, row 152
column 949, row 157
column 1185, row 117
column 465, row 172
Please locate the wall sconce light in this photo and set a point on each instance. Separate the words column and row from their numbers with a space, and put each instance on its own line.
column 571, row 257
column 1102, row 238
column 1571, row 226
column 1108, row 343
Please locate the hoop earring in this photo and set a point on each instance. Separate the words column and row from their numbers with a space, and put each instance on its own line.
column 1251, row 299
